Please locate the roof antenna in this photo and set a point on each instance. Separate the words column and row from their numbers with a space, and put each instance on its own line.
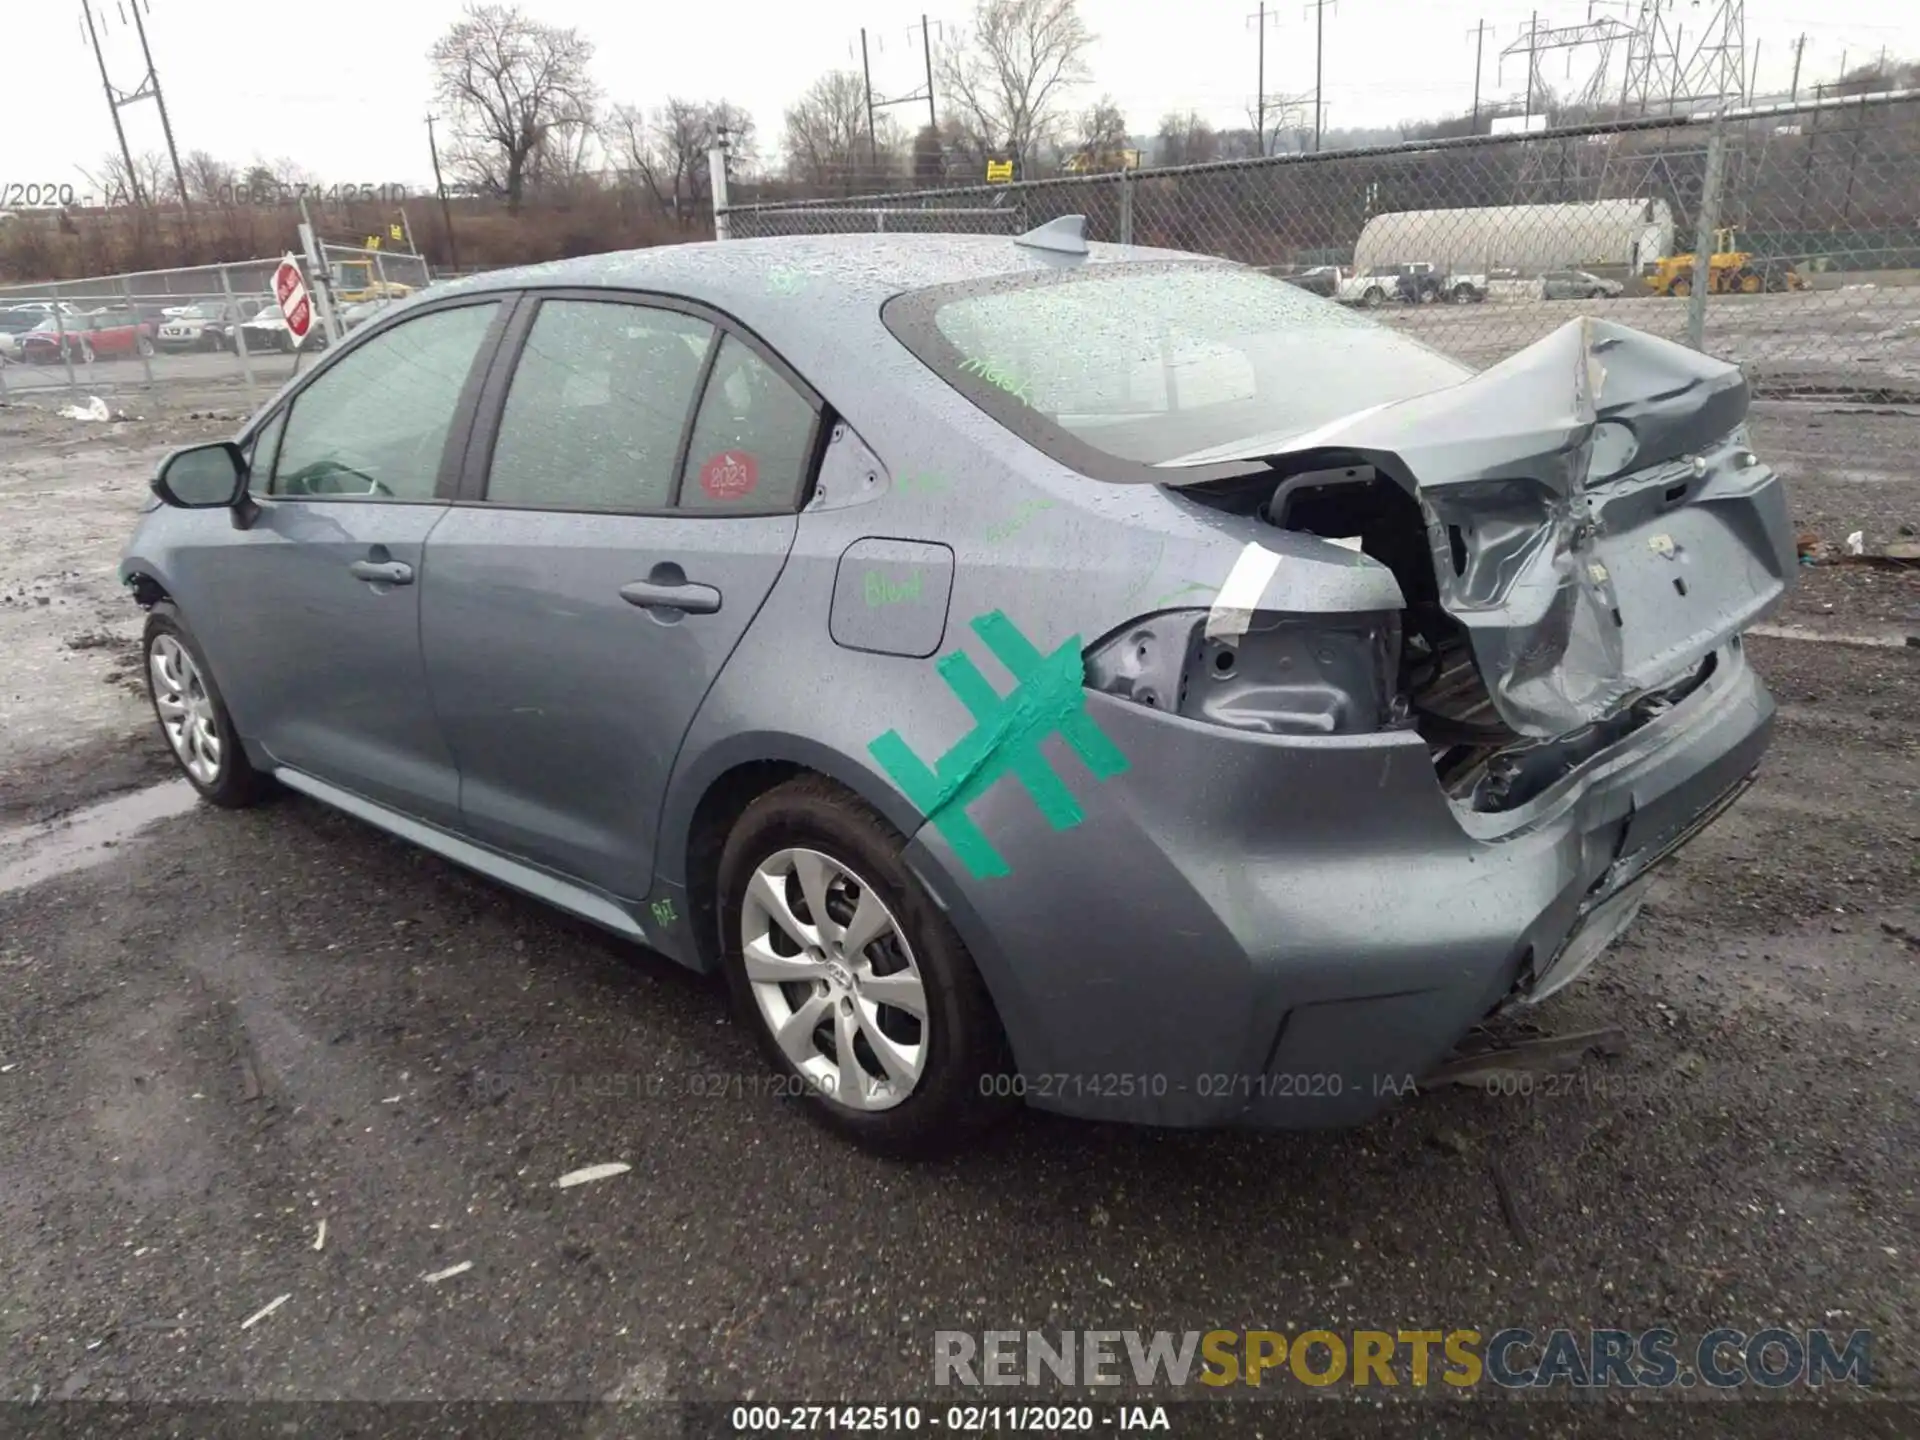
column 1065, row 236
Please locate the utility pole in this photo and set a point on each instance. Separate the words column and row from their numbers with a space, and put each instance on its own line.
column 446, row 210
column 926, row 49
column 113, row 106
column 866, row 72
column 1319, row 9
column 926, row 55
column 1480, row 45
column 1799, row 46
column 1260, row 105
column 1533, row 64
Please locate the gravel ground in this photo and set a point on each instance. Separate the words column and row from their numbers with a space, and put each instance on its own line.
column 224, row 1030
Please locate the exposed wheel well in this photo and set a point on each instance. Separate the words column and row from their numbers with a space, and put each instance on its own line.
column 713, row 820
column 147, row 591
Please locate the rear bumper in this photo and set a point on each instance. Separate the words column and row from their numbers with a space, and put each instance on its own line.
column 1254, row 931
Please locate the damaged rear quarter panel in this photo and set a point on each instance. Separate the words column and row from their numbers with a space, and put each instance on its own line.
column 1566, row 491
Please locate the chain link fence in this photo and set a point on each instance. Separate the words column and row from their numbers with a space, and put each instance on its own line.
column 214, row 326
column 1785, row 238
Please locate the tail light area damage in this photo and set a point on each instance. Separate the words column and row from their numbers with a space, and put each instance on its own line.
column 1577, row 533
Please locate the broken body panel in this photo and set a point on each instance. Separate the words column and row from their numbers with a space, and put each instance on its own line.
column 1594, row 519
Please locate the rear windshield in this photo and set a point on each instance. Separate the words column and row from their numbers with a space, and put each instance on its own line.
column 1112, row 367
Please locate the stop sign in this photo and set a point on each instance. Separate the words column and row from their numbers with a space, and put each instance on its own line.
column 291, row 293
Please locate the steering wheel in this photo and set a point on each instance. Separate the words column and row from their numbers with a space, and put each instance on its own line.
column 312, row 479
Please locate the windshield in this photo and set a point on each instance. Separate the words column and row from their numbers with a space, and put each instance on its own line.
column 1160, row 363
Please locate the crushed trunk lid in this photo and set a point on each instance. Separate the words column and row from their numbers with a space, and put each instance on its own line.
column 1596, row 521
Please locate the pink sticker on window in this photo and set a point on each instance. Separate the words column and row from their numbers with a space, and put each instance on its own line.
column 729, row 475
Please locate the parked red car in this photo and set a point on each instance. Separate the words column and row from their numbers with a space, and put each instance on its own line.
column 102, row 334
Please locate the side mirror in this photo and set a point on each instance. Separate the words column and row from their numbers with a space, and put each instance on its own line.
column 203, row 477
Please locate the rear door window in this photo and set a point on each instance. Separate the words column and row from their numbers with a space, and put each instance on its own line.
column 753, row 440
column 598, row 406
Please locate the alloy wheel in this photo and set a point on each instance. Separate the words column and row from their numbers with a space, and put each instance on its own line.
column 186, row 709
column 834, row 979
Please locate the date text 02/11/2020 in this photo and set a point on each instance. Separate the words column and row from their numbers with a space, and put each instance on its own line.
column 963, row 1419
column 1244, row 1086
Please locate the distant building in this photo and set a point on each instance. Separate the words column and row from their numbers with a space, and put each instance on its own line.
column 1625, row 234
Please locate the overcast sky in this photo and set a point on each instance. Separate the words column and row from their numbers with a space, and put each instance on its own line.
column 354, row 111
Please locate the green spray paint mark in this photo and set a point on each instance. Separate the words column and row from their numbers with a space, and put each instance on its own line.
column 882, row 591
column 664, row 913
column 1047, row 697
column 1026, row 511
column 1000, row 374
column 1148, row 572
column 1185, row 589
column 785, row 280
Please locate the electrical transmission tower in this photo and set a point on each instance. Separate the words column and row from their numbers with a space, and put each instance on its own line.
column 1559, row 167
column 1668, row 68
column 147, row 89
column 1602, row 35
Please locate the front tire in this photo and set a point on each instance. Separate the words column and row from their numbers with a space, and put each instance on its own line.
column 193, row 718
column 856, row 986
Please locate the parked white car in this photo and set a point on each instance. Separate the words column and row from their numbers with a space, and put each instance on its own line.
column 1373, row 287
column 268, row 331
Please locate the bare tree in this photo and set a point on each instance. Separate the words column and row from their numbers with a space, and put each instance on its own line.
column 666, row 154
column 1006, row 80
column 967, row 150
column 1102, row 137
column 149, row 180
column 568, row 154
column 510, row 85
column 1187, row 140
column 826, row 141
column 211, row 180
column 929, row 158
column 628, row 136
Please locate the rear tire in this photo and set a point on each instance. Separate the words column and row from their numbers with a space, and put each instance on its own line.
column 811, row 827
column 1682, row 288
column 193, row 718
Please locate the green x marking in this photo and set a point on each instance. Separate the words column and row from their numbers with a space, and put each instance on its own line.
column 1048, row 697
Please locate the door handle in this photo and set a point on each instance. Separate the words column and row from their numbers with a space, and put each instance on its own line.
column 684, row 595
column 381, row 572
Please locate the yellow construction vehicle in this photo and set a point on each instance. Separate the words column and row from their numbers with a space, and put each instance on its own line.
column 1730, row 270
column 358, row 280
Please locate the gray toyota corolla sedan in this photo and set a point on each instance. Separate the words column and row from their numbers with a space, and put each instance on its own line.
column 1103, row 676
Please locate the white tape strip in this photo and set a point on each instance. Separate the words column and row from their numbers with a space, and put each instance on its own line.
column 1239, row 597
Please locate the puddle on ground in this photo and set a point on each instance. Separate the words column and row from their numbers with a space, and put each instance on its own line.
column 87, row 837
